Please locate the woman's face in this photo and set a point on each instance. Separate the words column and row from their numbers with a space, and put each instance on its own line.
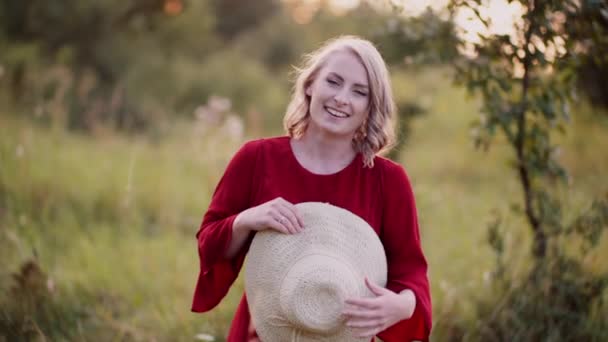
column 339, row 96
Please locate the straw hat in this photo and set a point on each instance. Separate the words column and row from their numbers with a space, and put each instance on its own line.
column 296, row 284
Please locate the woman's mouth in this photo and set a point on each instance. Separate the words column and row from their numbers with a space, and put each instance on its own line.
column 336, row 113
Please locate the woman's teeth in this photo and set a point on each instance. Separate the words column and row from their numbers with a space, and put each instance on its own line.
column 336, row 113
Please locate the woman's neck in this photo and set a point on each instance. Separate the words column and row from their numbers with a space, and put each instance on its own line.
column 322, row 154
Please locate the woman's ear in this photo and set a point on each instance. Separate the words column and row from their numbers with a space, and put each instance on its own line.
column 308, row 89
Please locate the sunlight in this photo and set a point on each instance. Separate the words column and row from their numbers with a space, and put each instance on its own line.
column 343, row 6
column 501, row 14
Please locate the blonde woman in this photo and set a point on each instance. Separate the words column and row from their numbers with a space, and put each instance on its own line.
column 339, row 120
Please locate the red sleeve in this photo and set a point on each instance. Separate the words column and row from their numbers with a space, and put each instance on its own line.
column 407, row 266
column 232, row 195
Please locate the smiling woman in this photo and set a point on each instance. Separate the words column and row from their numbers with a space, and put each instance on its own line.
column 339, row 119
column 338, row 97
column 347, row 72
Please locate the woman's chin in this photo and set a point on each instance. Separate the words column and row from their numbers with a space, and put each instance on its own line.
column 333, row 128
column 330, row 131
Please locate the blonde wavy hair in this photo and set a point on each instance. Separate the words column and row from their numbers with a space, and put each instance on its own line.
column 377, row 134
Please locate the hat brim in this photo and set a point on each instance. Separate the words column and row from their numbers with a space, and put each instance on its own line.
column 336, row 246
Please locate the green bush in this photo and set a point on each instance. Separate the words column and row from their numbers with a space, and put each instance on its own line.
column 559, row 298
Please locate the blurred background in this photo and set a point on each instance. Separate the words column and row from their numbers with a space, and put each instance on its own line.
column 117, row 119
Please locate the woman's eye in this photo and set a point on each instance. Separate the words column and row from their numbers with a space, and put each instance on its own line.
column 360, row 93
column 332, row 82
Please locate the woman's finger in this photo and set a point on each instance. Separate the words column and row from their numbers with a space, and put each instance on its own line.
column 298, row 217
column 283, row 222
column 366, row 303
column 280, row 214
column 357, row 313
column 377, row 290
column 293, row 213
column 274, row 223
column 288, row 214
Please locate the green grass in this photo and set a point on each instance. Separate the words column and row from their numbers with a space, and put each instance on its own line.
column 111, row 219
column 112, row 223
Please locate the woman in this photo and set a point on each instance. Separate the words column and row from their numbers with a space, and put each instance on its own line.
column 340, row 117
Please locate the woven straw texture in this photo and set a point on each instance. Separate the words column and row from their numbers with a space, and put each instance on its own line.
column 296, row 284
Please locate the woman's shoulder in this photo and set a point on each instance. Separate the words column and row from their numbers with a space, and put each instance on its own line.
column 257, row 152
column 264, row 146
column 390, row 171
column 265, row 143
column 386, row 165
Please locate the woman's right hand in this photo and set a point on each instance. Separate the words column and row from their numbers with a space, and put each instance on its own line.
column 277, row 214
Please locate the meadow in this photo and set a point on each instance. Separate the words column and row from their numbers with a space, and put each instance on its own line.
column 109, row 220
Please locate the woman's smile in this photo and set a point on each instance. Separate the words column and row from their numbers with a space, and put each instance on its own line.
column 337, row 113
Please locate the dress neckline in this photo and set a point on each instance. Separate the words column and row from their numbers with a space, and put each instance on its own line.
column 299, row 165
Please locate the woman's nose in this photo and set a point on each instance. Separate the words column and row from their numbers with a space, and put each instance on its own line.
column 341, row 98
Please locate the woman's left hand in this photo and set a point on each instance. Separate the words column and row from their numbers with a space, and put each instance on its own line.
column 370, row 316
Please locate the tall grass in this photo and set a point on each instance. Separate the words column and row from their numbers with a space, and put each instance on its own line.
column 110, row 220
column 111, row 223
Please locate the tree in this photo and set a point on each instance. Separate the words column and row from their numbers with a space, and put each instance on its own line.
column 239, row 16
column 103, row 46
column 526, row 82
column 424, row 39
column 588, row 26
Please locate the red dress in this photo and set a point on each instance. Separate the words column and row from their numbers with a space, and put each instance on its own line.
column 267, row 168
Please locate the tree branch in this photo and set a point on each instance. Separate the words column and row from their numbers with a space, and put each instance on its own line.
column 540, row 245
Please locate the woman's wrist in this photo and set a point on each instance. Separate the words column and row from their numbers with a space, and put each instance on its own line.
column 238, row 227
column 409, row 303
column 239, row 235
